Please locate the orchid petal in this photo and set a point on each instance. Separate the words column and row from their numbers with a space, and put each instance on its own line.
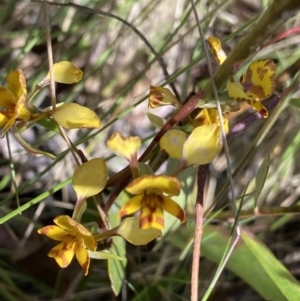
column 6, row 99
column 17, row 84
column 124, row 146
column 172, row 142
column 133, row 205
column 83, row 258
column 173, row 208
column 166, row 184
column 216, row 48
column 260, row 108
column 63, row 253
column 3, row 119
column 130, row 230
column 203, row 145
column 55, row 233
column 89, row 242
column 236, row 91
column 65, row 72
column 152, row 218
column 261, row 74
column 69, row 224
column 73, row 115
column 8, row 124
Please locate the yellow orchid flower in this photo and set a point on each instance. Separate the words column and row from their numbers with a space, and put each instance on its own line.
column 149, row 196
column 202, row 145
column 12, row 100
column 75, row 239
column 216, row 48
column 257, row 84
column 208, row 116
column 13, row 105
column 160, row 96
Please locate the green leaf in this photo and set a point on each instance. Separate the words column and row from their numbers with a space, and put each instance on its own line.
column 145, row 169
column 49, row 124
column 116, row 268
column 156, row 121
column 258, row 182
column 104, row 255
column 130, row 230
column 254, row 263
column 90, row 178
column 295, row 102
column 260, row 178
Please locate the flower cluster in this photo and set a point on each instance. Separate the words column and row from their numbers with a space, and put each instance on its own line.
column 196, row 140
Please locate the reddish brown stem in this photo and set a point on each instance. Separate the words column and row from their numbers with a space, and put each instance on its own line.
column 201, row 177
column 281, row 36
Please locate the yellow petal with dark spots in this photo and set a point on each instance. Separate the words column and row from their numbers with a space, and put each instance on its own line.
column 236, row 91
column 260, row 108
column 69, row 224
column 63, row 253
column 173, row 208
column 133, row 205
column 216, row 49
column 261, row 74
column 152, row 218
column 165, row 184
column 160, row 96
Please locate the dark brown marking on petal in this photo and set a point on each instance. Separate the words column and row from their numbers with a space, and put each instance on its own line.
column 60, row 253
column 258, row 91
column 261, row 72
column 145, row 221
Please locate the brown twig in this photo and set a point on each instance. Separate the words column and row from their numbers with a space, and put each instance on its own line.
column 281, row 36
